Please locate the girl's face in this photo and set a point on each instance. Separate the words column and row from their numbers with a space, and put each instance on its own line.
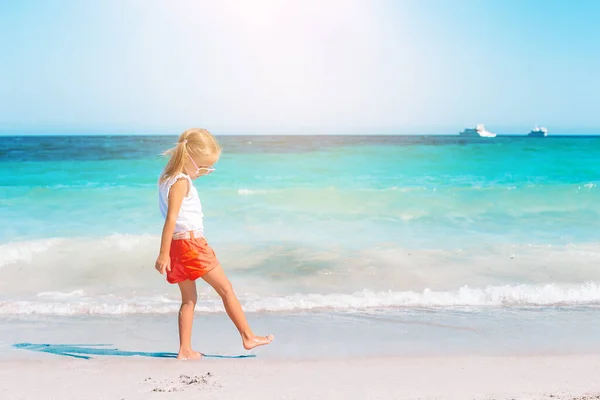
column 198, row 166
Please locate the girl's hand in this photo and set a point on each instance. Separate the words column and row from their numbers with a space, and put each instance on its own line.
column 163, row 263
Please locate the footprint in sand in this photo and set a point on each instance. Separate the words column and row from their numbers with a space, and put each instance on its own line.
column 185, row 382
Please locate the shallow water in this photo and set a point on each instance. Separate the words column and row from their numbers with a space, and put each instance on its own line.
column 307, row 223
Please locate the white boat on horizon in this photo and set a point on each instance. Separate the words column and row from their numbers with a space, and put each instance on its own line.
column 478, row 131
column 538, row 132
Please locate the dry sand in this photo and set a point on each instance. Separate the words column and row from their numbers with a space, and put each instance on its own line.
column 456, row 377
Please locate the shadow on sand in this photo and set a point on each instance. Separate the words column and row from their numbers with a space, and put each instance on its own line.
column 86, row 351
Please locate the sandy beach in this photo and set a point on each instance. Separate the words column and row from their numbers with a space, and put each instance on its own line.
column 394, row 358
column 456, row 377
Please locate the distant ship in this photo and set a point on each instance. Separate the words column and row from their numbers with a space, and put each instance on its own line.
column 538, row 132
column 479, row 131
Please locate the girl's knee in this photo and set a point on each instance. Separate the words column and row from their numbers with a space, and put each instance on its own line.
column 189, row 302
column 226, row 289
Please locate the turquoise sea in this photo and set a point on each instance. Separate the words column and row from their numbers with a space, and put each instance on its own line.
column 320, row 224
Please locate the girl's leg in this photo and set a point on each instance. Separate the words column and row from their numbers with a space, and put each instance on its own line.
column 217, row 279
column 186, row 319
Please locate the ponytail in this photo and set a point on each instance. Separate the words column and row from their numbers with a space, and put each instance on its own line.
column 191, row 142
column 177, row 159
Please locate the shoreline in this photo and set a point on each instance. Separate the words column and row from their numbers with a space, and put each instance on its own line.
column 316, row 336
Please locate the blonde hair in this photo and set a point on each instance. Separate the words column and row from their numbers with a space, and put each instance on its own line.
column 192, row 142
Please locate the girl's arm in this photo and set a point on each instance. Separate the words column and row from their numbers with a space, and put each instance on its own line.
column 176, row 194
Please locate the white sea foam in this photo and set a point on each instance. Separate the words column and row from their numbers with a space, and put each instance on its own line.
column 38, row 250
column 248, row 192
column 518, row 295
column 61, row 295
column 11, row 253
column 493, row 296
column 125, row 262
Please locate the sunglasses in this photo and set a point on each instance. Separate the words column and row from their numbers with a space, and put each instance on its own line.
column 201, row 170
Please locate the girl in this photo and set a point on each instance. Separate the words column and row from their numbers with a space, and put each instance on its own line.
column 184, row 253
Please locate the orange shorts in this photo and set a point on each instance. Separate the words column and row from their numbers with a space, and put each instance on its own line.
column 190, row 259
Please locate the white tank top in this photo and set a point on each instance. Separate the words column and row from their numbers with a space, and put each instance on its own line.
column 190, row 216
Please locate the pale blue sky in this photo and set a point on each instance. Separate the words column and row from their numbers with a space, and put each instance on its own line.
column 337, row 66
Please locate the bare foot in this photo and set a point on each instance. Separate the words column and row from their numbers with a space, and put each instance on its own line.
column 256, row 341
column 188, row 355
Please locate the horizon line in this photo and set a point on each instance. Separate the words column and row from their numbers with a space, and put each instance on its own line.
column 288, row 134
